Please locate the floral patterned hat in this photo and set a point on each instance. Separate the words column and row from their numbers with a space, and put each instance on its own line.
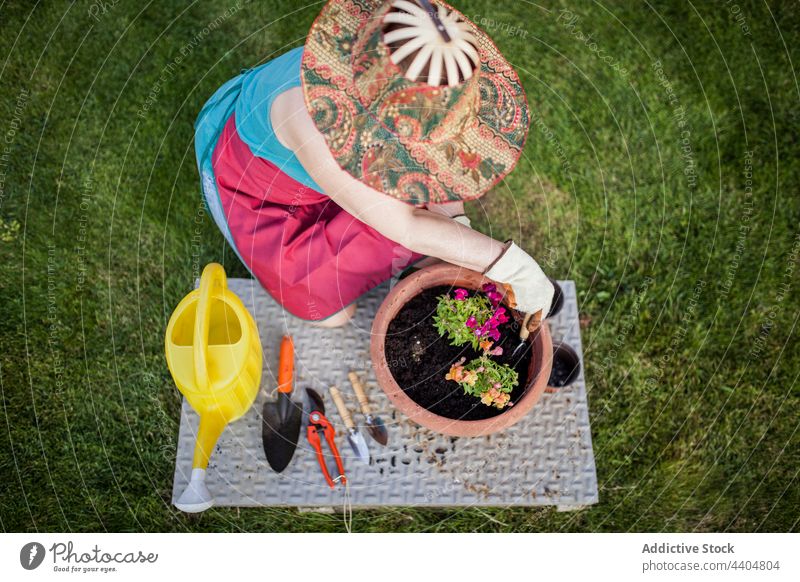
column 414, row 100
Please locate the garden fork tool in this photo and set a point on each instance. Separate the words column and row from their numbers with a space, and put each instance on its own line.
column 375, row 426
column 319, row 429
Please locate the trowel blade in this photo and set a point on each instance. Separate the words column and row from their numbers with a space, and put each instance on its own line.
column 279, row 435
column 358, row 444
column 377, row 429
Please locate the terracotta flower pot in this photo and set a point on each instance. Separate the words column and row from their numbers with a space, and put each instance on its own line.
column 402, row 293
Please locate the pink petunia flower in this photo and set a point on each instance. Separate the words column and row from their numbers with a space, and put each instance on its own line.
column 500, row 315
column 461, row 294
column 490, row 289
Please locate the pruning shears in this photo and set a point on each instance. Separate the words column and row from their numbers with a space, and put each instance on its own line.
column 319, row 429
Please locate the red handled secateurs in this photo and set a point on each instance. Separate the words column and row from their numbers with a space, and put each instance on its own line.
column 318, row 428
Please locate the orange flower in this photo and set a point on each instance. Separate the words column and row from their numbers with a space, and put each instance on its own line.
column 456, row 371
column 496, row 398
column 469, row 377
column 501, row 399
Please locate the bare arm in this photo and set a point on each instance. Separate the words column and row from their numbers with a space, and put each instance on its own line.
column 420, row 230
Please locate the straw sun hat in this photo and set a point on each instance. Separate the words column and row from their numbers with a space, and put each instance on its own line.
column 413, row 99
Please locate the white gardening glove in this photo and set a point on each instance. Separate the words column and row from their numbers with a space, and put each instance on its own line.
column 530, row 288
column 463, row 219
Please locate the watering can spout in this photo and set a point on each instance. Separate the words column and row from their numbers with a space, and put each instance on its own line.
column 211, row 427
column 196, row 497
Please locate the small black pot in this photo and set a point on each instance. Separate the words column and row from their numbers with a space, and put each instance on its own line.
column 558, row 299
column 566, row 366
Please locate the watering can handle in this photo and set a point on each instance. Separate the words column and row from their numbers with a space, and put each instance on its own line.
column 212, row 282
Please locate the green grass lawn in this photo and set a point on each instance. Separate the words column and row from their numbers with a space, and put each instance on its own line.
column 661, row 174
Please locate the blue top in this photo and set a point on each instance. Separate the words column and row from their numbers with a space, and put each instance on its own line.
column 260, row 87
column 250, row 96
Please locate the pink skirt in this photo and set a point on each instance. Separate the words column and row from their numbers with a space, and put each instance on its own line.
column 306, row 251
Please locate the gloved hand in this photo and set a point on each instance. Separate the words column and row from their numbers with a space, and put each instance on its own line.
column 529, row 287
column 463, row 219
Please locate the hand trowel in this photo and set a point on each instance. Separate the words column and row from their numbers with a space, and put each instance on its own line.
column 280, row 426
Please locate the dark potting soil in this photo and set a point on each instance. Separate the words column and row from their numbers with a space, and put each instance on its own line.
column 419, row 359
column 566, row 367
column 561, row 372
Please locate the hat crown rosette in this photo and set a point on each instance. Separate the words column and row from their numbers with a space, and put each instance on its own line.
column 413, row 99
column 412, row 69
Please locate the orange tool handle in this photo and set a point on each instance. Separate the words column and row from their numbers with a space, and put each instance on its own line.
column 286, row 365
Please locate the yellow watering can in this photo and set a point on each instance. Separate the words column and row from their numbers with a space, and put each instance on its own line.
column 214, row 355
